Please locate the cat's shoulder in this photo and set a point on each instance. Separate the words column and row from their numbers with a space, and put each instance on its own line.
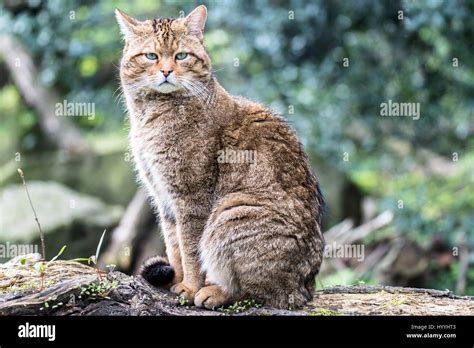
column 256, row 112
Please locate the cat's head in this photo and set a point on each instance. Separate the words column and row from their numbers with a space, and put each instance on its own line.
column 165, row 55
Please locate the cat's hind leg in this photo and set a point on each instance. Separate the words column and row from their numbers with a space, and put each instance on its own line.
column 251, row 251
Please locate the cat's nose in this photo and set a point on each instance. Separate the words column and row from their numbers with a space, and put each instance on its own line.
column 166, row 72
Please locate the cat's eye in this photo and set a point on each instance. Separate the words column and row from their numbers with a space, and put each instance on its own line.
column 151, row 56
column 181, row 55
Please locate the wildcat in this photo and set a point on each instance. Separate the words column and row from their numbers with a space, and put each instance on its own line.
column 233, row 229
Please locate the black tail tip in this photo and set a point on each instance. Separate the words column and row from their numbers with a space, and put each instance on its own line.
column 157, row 271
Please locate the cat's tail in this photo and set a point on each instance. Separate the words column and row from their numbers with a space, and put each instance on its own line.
column 157, row 271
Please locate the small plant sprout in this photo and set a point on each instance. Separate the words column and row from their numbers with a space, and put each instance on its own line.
column 40, row 265
column 56, row 257
column 43, row 249
column 94, row 258
column 99, row 245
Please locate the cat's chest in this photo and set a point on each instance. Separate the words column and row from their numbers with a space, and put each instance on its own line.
column 177, row 150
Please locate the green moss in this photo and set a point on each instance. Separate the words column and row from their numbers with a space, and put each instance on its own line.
column 324, row 312
column 394, row 303
column 182, row 301
column 32, row 285
column 240, row 306
column 97, row 290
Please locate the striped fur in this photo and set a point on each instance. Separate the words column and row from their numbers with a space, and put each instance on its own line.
column 252, row 229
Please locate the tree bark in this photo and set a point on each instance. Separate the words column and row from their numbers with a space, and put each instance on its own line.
column 130, row 232
column 77, row 290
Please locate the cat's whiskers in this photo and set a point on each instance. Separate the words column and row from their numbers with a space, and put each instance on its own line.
column 198, row 89
column 189, row 87
column 199, row 93
column 135, row 86
column 119, row 95
column 204, row 95
column 213, row 71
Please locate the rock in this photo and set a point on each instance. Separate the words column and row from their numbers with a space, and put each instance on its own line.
column 86, row 174
column 66, row 218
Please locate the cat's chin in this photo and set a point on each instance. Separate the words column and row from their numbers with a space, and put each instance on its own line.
column 167, row 88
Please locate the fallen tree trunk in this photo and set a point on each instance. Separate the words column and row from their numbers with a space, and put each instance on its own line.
column 71, row 288
column 132, row 231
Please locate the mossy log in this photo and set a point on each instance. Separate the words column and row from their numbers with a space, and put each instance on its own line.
column 71, row 288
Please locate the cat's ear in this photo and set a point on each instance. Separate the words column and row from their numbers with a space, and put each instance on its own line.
column 196, row 20
column 127, row 24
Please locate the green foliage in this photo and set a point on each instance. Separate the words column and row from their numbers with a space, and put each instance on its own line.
column 436, row 206
column 182, row 301
column 241, row 306
column 98, row 290
column 447, row 279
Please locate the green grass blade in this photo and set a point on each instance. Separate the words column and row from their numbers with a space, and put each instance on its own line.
column 99, row 245
column 59, row 254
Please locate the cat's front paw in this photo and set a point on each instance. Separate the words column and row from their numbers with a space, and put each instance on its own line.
column 211, row 297
column 184, row 291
